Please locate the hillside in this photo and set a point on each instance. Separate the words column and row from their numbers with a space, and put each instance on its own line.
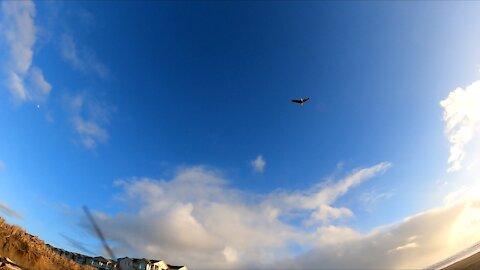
column 29, row 252
column 469, row 263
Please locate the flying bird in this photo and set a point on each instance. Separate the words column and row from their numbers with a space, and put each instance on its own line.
column 301, row 101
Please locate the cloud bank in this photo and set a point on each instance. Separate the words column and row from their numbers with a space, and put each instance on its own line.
column 24, row 80
column 196, row 219
column 414, row 243
column 196, row 211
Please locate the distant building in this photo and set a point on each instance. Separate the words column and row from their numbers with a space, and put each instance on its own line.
column 141, row 264
column 124, row 263
column 158, row 265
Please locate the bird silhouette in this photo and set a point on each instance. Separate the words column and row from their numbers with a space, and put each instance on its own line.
column 300, row 101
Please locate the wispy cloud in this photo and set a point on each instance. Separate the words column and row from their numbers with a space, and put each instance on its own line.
column 81, row 59
column 2, row 165
column 88, row 118
column 197, row 211
column 9, row 211
column 371, row 198
column 258, row 164
column 25, row 81
column 319, row 200
column 462, row 118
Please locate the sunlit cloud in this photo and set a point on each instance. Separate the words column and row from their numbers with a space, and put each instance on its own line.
column 258, row 164
column 25, row 81
column 197, row 211
column 462, row 118
column 414, row 243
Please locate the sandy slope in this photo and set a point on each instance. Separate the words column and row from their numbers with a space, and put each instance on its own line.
column 469, row 263
column 29, row 252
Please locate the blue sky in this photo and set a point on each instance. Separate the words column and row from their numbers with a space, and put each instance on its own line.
column 124, row 107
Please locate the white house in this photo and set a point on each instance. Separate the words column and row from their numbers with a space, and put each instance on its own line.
column 142, row 264
column 157, row 265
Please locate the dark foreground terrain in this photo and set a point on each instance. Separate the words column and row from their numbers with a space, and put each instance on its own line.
column 469, row 263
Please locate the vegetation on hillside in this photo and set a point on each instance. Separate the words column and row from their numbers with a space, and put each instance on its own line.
column 29, row 252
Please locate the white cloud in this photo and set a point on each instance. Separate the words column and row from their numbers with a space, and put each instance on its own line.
column 9, row 211
column 88, row 118
column 406, row 246
column 258, row 164
column 39, row 87
column 222, row 227
column 196, row 211
column 329, row 235
column 19, row 32
column 230, row 254
column 414, row 243
column 69, row 51
column 81, row 59
column 320, row 199
column 16, row 87
column 462, row 117
column 24, row 81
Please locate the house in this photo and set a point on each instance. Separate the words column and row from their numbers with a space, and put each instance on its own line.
column 125, row 263
column 101, row 263
column 111, row 264
column 67, row 254
column 141, row 264
column 79, row 258
column 88, row 260
column 158, row 265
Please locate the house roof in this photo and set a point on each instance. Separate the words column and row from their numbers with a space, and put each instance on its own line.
column 174, row 266
column 100, row 258
column 155, row 261
column 140, row 260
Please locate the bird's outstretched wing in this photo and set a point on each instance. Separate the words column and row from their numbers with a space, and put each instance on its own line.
column 99, row 233
column 296, row 101
column 306, row 99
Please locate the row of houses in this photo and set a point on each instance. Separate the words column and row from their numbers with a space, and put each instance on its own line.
column 124, row 263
